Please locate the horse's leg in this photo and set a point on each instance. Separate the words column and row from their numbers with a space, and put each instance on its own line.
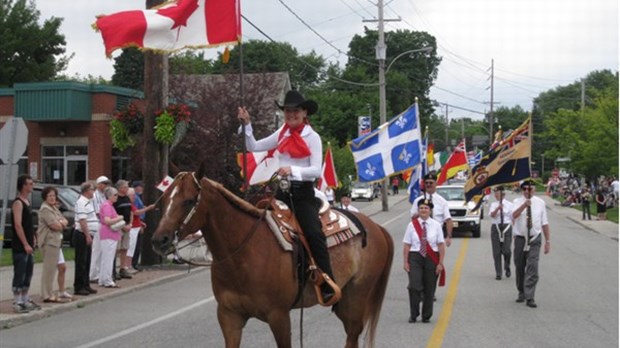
column 350, row 310
column 232, row 324
column 280, row 324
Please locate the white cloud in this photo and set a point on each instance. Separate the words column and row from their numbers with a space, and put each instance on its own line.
column 536, row 45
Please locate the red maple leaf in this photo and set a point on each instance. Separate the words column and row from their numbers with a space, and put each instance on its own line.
column 180, row 12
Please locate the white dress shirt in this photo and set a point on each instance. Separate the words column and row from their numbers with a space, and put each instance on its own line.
column 434, row 235
column 539, row 217
column 302, row 169
column 507, row 210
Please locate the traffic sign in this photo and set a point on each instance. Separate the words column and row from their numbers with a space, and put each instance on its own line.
column 13, row 140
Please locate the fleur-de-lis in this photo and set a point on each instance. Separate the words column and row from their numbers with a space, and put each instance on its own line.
column 401, row 122
column 370, row 170
column 405, row 156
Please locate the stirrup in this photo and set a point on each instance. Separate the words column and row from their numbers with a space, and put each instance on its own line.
column 317, row 289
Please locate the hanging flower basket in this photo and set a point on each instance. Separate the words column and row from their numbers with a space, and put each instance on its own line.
column 171, row 124
column 125, row 125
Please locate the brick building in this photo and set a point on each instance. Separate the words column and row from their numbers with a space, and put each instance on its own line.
column 68, row 129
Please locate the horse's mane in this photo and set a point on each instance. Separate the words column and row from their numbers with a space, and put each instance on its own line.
column 232, row 198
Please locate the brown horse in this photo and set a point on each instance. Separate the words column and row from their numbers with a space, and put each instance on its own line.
column 253, row 276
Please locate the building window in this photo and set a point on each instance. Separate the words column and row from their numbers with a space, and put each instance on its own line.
column 64, row 164
column 120, row 165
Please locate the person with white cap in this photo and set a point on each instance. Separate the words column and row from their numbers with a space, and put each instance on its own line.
column 98, row 199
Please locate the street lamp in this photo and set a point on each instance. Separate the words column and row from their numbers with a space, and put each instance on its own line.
column 381, row 53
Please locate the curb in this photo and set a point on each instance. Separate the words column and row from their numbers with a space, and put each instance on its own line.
column 25, row 318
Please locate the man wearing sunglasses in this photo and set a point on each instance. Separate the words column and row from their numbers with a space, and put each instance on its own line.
column 529, row 222
column 440, row 211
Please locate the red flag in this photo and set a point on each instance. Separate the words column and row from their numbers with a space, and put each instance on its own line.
column 456, row 162
column 328, row 176
column 173, row 26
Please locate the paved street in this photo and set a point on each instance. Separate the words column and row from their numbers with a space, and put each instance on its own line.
column 577, row 296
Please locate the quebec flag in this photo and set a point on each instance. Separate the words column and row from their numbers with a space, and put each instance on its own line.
column 392, row 148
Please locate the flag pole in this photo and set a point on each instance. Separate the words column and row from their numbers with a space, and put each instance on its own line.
column 241, row 102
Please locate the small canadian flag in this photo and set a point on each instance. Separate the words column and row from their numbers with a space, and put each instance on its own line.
column 164, row 184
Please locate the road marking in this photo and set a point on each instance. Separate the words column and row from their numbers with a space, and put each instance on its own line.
column 446, row 311
column 394, row 218
column 147, row 324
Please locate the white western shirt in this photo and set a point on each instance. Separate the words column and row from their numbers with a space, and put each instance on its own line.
column 302, row 169
column 507, row 210
column 434, row 235
column 539, row 217
column 441, row 212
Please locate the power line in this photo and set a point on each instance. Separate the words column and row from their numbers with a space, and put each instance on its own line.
column 323, row 38
column 310, row 65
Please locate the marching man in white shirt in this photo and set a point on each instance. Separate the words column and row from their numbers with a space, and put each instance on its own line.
column 501, row 232
column 530, row 221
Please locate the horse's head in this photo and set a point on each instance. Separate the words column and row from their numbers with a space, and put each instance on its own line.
column 180, row 216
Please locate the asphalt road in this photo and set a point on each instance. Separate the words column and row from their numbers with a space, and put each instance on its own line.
column 577, row 297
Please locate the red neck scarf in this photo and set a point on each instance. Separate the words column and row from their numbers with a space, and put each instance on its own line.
column 294, row 144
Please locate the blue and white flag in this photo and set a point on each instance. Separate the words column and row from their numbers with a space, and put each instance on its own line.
column 392, row 148
column 475, row 159
column 414, row 188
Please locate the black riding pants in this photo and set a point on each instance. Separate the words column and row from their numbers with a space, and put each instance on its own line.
column 302, row 201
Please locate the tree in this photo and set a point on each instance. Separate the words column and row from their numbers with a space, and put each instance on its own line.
column 265, row 56
column 129, row 69
column 29, row 51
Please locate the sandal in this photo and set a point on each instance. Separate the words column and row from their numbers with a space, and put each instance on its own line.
column 52, row 300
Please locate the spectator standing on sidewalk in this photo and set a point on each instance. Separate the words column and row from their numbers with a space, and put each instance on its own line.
column 98, row 199
column 395, row 183
column 86, row 228
column 137, row 226
column 109, row 238
column 63, row 295
column 23, row 245
column 586, row 197
column 329, row 193
column 601, row 208
column 138, row 186
column 123, row 208
column 49, row 238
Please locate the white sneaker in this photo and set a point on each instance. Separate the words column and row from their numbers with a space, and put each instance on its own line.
column 65, row 295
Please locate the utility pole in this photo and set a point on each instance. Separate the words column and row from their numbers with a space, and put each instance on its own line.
column 153, row 165
column 491, row 109
column 447, row 127
column 381, row 56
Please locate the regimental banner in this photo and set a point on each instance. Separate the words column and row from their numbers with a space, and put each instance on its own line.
column 364, row 125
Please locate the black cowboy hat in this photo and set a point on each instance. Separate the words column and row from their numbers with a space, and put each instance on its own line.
column 294, row 99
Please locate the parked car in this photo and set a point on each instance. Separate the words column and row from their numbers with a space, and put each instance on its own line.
column 464, row 218
column 363, row 190
column 67, row 197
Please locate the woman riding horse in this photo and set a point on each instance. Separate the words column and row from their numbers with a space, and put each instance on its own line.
column 299, row 151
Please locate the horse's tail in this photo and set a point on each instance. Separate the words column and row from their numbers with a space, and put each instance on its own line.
column 379, row 290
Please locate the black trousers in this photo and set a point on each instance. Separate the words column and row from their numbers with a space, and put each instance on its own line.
column 83, row 254
column 302, row 201
column 422, row 285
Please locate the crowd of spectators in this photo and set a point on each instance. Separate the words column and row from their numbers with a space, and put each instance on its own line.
column 603, row 191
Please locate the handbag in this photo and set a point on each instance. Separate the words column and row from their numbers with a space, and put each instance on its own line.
column 118, row 225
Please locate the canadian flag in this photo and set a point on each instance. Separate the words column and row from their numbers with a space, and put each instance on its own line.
column 260, row 165
column 173, row 26
column 165, row 183
column 328, row 175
